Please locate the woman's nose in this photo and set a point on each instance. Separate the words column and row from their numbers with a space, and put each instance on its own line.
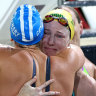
column 51, row 40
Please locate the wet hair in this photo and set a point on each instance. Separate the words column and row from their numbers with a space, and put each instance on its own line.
column 71, row 8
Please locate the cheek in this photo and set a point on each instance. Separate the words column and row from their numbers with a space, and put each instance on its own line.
column 46, row 37
column 60, row 44
column 44, row 40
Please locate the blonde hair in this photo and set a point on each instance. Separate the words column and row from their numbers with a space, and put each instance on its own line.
column 27, row 46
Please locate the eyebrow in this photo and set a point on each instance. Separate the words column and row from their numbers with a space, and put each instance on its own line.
column 60, row 32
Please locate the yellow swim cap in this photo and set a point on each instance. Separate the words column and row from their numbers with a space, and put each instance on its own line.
column 66, row 15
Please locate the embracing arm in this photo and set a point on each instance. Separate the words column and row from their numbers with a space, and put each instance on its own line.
column 78, row 58
column 84, row 84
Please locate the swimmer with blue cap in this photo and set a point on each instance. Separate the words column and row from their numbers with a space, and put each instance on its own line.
column 20, row 65
column 26, row 26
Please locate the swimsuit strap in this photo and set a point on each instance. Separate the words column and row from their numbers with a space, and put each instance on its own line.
column 34, row 72
column 85, row 70
column 47, row 73
column 73, row 94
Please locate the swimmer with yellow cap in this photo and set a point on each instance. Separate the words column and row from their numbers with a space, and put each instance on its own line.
column 65, row 59
column 63, row 17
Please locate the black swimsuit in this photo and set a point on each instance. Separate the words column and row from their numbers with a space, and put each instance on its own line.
column 47, row 73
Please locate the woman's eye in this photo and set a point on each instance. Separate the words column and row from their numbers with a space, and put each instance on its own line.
column 60, row 36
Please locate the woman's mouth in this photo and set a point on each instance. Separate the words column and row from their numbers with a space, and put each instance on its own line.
column 50, row 49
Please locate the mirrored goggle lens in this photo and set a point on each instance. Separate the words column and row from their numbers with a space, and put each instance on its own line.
column 48, row 18
column 63, row 21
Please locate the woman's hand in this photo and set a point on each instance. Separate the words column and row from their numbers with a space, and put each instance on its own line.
column 28, row 90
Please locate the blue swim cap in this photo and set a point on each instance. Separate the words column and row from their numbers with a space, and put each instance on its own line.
column 26, row 27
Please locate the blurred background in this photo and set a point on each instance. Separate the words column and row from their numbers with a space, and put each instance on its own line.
column 86, row 9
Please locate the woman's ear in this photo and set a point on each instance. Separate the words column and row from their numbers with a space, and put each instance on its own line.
column 81, row 27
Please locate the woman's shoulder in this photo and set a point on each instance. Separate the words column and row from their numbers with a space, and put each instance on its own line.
column 78, row 55
column 76, row 49
column 6, row 48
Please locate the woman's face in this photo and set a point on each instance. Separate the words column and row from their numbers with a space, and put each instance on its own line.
column 56, row 38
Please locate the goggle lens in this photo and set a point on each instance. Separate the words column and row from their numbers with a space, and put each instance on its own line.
column 61, row 20
column 48, row 19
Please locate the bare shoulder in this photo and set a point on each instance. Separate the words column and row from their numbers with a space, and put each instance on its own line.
column 5, row 47
column 78, row 55
column 8, row 50
column 77, row 50
column 75, row 47
column 17, row 55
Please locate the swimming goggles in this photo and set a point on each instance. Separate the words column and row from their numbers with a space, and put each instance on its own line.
column 61, row 20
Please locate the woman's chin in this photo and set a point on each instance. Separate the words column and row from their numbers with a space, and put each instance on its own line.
column 50, row 53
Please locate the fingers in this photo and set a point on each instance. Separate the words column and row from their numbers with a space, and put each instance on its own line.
column 46, row 84
column 50, row 93
column 33, row 80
